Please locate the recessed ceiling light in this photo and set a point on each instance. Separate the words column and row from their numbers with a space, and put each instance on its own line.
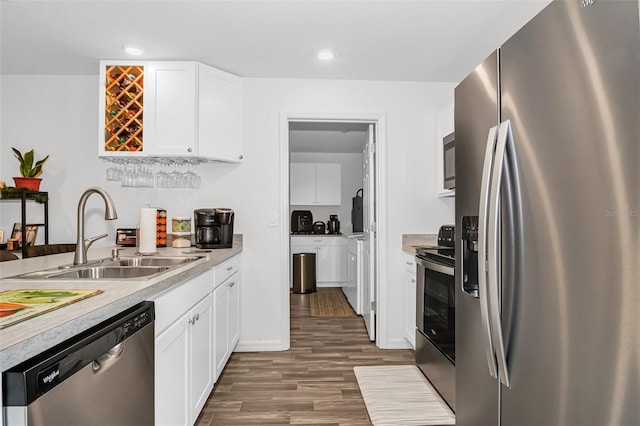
column 325, row 55
column 131, row 50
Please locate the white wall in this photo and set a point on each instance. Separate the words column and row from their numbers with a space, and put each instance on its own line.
column 351, row 181
column 57, row 115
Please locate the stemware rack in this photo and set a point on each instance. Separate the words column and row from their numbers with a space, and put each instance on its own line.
column 139, row 172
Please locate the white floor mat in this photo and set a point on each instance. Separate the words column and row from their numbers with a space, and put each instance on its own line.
column 400, row 395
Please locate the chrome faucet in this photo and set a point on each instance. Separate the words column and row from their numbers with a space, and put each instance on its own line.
column 110, row 213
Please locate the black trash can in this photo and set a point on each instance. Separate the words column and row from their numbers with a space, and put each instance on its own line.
column 304, row 273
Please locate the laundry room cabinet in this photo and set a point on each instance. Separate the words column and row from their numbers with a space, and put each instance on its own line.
column 315, row 184
column 330, row 256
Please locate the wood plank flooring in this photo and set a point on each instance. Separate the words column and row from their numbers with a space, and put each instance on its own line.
column 311, row 384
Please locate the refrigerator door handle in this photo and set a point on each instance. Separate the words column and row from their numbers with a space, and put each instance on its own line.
column 505, row 136
column 483, row 295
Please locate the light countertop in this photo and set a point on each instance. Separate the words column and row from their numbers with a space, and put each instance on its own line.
column 26, row 339
column 411, row 241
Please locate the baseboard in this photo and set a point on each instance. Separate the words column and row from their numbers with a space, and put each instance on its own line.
column 398, row 343
column 260, row 346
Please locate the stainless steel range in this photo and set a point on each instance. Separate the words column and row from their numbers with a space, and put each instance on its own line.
column 436, row 313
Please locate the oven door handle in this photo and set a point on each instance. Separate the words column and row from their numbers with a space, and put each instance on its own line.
column 437, row 267
column 483, row 220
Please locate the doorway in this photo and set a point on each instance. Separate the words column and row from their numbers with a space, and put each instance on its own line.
column 325, row 138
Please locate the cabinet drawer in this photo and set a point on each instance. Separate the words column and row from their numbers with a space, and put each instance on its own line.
column 226, row 269
column 317, row 241
column 174, row 302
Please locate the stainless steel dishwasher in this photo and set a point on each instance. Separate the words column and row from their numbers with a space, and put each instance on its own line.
column 103, row 376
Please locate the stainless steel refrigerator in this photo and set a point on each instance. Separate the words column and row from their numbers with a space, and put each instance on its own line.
column 547, row 134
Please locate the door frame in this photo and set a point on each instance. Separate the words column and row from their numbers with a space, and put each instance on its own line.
column 379, row 120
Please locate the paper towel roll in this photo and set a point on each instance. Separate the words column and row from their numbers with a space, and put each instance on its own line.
column 147, row 231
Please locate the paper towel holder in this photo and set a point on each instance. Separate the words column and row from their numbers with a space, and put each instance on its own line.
column 146, row 242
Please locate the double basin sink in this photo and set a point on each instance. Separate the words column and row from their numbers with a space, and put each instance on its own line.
column 108, row 269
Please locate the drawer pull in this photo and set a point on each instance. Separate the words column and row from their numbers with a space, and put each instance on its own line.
column 230, row 268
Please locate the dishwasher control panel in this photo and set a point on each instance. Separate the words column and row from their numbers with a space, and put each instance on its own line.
column 29, row 380
column 136, row 323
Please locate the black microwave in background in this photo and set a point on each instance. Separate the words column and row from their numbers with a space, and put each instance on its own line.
column 449, row 160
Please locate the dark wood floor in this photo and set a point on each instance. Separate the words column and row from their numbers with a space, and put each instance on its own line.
column 311, row 384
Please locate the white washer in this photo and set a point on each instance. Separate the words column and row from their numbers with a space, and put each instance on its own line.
column 352, row 288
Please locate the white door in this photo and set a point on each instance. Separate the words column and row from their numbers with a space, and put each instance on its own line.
column 172, row 373
column 170, row 109
column 369, row 230
column 220, row 327
column 201, row 354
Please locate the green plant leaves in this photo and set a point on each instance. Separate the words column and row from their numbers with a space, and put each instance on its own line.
column 27, row 169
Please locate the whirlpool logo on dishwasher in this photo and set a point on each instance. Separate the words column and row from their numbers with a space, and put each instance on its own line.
column 49, row 378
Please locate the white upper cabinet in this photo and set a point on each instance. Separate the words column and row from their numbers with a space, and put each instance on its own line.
column 316, row 184
column 169, row 109
column 219, row 115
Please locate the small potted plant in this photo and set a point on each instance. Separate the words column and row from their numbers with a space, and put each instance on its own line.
column 28, row 170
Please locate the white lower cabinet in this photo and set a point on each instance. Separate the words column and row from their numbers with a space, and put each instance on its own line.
column 409, row 284
column 197, row 328
column 184, row 351
column 202, row 377
column 226, row 301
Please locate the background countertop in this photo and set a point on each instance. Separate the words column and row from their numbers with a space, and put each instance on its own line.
column 410, row 241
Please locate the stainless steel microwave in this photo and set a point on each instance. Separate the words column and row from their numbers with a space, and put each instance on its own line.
column 449, row 161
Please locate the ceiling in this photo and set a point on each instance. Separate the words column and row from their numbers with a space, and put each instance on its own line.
column 327, row 137
column 394, row 40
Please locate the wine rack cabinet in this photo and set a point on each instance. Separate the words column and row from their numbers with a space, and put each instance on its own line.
column 124, row 99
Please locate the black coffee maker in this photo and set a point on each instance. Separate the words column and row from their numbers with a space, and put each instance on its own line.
column 214, row 228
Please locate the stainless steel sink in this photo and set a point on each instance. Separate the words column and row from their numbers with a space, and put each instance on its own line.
column 108, row 272
column 155, row 261
column 96, row 273
column 107, row 269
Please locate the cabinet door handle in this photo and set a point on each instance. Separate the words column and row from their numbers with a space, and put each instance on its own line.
column 413, row 280
column 189, row 149
column 194, row 318
column 232, row 283
column 409, row 263
column 230, row 268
